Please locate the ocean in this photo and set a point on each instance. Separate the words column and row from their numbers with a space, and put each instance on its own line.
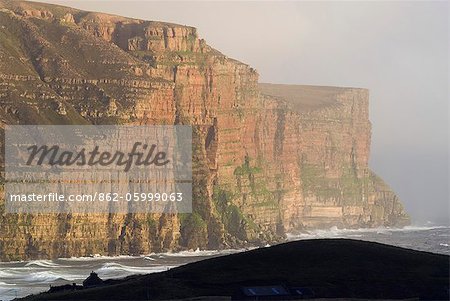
column 18, row 279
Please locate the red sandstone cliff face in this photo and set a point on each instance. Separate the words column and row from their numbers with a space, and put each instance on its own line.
column 268, row 159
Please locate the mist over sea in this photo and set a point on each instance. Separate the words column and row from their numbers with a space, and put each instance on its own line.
column 18, row 279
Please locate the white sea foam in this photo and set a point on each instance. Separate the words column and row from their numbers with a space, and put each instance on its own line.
column 419, row 228
column 32, row 275
column 118, row 266
column 49, row 276
column 197, row 253
column 116, row 270
column 11, row 273
column 335, row 232
column 43, row 264
column 98, row 257
column 186, row 253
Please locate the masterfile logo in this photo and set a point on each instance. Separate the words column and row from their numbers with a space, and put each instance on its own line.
column 55, row 156
column 90, row 169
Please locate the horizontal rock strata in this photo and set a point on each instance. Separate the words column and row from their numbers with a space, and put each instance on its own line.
column 268, row 159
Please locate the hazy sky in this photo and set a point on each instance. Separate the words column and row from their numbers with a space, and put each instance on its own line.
column 398, row 50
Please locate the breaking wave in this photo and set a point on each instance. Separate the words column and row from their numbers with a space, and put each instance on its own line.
column 97, row 257
column 113, row 270
column 199, row 253
column 335, row 232
column 43, row 264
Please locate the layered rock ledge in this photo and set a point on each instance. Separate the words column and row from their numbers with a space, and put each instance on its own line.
column 268, row 159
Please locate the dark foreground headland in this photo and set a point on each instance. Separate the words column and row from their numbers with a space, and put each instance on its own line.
column 326, row 268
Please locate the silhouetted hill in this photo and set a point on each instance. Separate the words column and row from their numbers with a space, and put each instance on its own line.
column 332, row 268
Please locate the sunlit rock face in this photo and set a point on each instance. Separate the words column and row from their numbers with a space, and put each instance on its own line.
column 268, row 159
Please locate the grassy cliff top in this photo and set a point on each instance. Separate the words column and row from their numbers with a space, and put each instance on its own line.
column 59, row 11
column 304, row 97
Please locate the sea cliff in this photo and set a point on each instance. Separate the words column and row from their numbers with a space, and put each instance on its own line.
column 268, row 159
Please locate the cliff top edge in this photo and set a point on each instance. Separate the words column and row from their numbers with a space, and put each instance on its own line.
column 59, row 11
